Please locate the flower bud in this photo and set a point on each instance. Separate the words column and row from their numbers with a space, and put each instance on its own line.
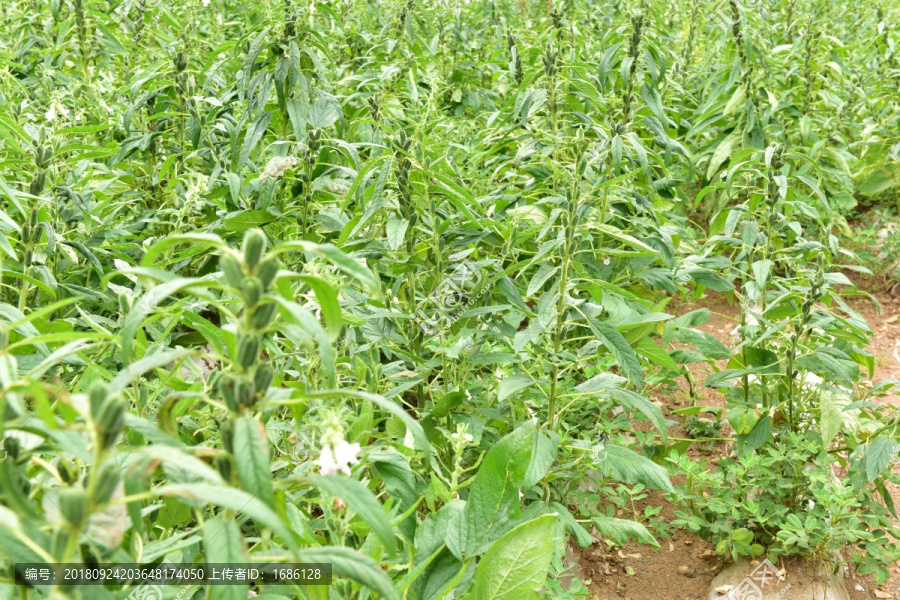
column 234, row 275
column 37, row 184
column 98, row 394
column 254, row 244
column 179, row 62
column 107, row 480
column 67, row 472
column 245, row 393
column 11, row 446
column 223, row 464
column 110, row 421
column 59, row 543
column 253, row 291
column 227, row 390
column 227, row 432
column 263, row 315
column 263, row 377
column 267, row 270
column 248, row 351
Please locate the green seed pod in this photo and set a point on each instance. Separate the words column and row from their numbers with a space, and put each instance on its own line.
column 67, row 472
column 28, row 257
column 59, row 542
column 98, row 394
column 263, row 315
column 107, row 480
column 254, row 244
column 247, row 351
column 253, row 291
column 179, row 62
column 245, row 393
column 37, row 184
column 223, row 464
column 226, row 389
column 234, row 274
column 267, row 270
column 263, row 377
column 73, row 505
column 227, row 431
column 12, row 448
column 111, row 420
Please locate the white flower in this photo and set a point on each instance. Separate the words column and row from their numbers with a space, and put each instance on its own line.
column 205, row 2
column 339, row 458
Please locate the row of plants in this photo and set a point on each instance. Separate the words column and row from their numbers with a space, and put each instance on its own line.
column 387, row 285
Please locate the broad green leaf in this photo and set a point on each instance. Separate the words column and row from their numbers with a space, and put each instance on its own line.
column 512, row 384
column 245, row 220
column 629, row 466
column 516, row 565
column 493, row 499
column 622, row 531
column 616, row 343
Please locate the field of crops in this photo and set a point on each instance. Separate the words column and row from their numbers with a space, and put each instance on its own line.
column 445, row 299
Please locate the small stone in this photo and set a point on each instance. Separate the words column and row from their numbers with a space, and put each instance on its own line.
column 685, row 571
column 880, row 594
column 688, row 542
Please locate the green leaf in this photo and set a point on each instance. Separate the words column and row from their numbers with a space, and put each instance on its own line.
column 399, row 482
column 631, row 467
column 396, row 232
column 148, row 363
column 721, row 154
column 224, row 544
column 494, row 494
column 622, row 531
column 616, row 343
column 328, row 302
column 242, row 221
column 295, row 313
column 540, row 278
column 362, row 501
column 251, row 458
column 712, row 280
column 346, row 562
column 235, row 499
column 512, row 384
column 543, row 456
column 516, row 565
column 830, row 416
column 343, row 262
column 635, row 401
column 875, row 456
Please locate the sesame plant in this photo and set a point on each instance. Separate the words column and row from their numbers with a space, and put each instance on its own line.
column 395, row 286
column 812, row 450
